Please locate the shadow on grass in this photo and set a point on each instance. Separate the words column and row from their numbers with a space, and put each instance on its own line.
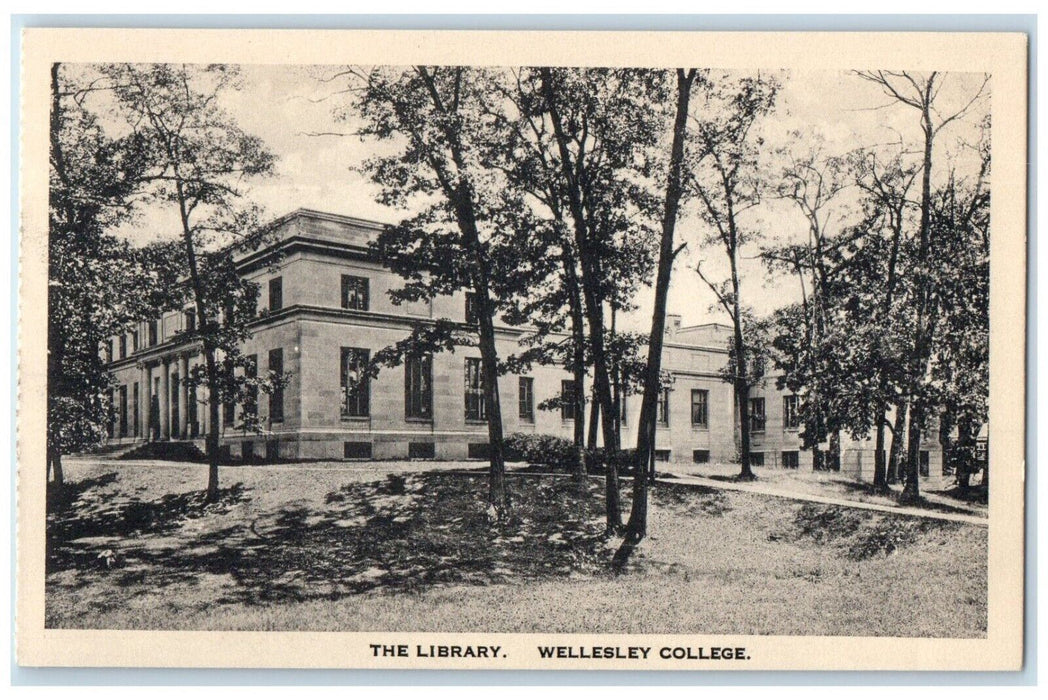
column 862, row 488
column 409, row 532
column 973, row 494
column 60, row 498
column 692, row 498
column 731, row 478
column 893, row 495
column 87, row 521
column 937, row 507
column 858, row 533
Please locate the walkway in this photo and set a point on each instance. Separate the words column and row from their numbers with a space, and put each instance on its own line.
column 772, row 490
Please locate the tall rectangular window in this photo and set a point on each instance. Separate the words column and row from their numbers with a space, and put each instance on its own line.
column 355, row 293
column 790, row 415
column 568, row 405
column 526, row 398
column 190, row 323
column 356, row 385
column 228, row 402
column 251, row 394
column 700, row 408
column 418, row 387
column 663, row 412
column 276, row 397
column 109, row 350
column 153, row 332
column 474, row 391
column 176, row 418
column 757, row 414
column 123, row 411
column 471, row 309
column 134, row 341
column 276, row 294
column 122, row 340
column 135, row 409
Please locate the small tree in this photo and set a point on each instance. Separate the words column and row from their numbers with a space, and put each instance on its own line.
column 432, row 116
column 961, row 361
column 604, row 123
column 724, row 173
column 573, row 147
column 921, row 93
column 637, row 526
column 201, row 160
column 877, row 285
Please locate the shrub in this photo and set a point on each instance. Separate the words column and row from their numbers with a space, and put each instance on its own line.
column 548, row 450
column 559, row 454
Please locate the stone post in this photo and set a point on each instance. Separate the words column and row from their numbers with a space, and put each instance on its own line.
column 143, row 402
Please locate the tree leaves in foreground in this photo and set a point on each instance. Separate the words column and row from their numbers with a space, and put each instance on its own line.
column 98, row 285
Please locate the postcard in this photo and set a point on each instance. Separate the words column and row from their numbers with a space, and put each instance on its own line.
column 522, row 350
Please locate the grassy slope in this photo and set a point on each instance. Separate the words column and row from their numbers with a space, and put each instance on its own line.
column 337, row 550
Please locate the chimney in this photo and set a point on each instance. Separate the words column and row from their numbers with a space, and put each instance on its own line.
column 672, row 324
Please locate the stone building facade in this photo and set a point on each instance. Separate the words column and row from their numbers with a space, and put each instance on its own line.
column 328, row 310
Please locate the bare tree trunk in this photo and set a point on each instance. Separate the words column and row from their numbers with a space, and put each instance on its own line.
column 637, row 527
column 489, row 367
column 594, row 309
column 579, row 426
column 947, row 422
column 742, row 399
column 742, row 388
column 881, row 477
column 594, row 424
column 921, row 344
column 461, row 196
column 213, row 422
column 911, row 492
column 880, row 468
column 964, row 463
column 835, row 450
column 898, row 449
column 814, row 430
column 203, row 322
column 578, row 349
column 55, row 466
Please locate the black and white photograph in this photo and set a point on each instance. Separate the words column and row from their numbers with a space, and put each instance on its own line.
column 700, row 354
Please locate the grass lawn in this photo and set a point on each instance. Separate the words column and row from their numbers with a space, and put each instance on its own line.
column 379, row 547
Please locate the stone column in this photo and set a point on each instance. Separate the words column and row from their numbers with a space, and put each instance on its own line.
column 165, row 399
column 183, row 396
column 149, row 403
column 144, row 393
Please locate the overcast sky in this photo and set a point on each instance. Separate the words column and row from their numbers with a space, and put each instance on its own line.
column 287, row 107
